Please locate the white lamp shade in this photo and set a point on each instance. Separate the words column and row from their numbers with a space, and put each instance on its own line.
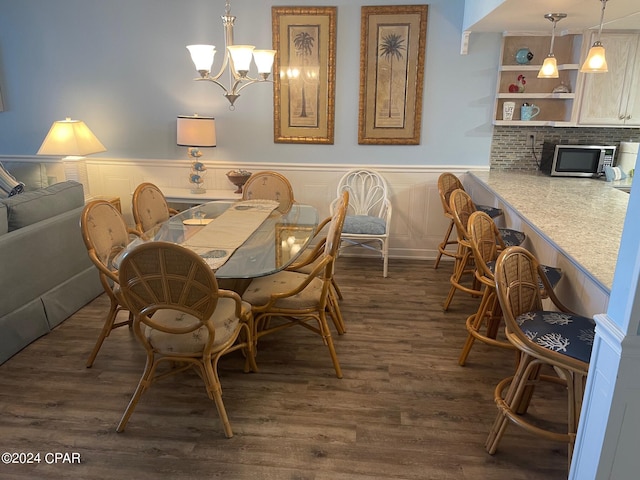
column 596, row 61
column 202, row 56
column 264, row 60
column 70, row 138
column 549, row 68
column 241, row 56
column 196, row 131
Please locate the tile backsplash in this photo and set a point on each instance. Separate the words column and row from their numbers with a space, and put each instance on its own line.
column 509, row 149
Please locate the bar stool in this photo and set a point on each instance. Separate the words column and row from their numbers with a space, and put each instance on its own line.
column 462, row 207
column 486, row 244
column 447, row 183
column 558, row 339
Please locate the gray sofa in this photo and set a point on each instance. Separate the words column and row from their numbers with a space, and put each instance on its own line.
column 46, row 274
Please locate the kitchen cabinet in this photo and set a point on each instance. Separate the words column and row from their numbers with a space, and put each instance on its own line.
column 556, row 109
column 613, row 98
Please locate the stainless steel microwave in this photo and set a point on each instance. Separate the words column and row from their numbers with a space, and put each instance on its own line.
column 560, row 160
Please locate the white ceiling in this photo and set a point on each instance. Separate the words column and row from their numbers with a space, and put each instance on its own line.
column 528, row 15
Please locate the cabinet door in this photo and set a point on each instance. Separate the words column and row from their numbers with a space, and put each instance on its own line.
column 605, row 95
column 633, row 102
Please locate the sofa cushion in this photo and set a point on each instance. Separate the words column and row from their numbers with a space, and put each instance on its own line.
column 31, row 207
column 9, row 186
column 33, row 175
column 4, row 224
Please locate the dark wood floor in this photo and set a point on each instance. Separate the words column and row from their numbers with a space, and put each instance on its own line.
column 404, row 409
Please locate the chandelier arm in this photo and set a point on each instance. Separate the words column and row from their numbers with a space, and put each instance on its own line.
column 213, row 80
column 249, row 82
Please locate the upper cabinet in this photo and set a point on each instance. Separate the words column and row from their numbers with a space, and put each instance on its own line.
column 613, row 98
column 518, row 82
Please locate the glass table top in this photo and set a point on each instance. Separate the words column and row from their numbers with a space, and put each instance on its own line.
column 274, row 245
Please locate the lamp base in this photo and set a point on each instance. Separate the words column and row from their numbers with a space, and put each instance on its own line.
column 198, row 190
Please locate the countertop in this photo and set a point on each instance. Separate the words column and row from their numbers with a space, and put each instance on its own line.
column 583, row 217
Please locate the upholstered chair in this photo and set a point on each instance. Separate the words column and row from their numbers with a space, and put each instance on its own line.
column 105, row 234
column 289, row 298
column 149, row 207
column 269, row 185
column 182, row 319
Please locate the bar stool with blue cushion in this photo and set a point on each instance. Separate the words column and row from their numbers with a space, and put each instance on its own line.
column 369, row 215
column 559, row 339
column 447, row 183
column 462, row 207
column 486, row 244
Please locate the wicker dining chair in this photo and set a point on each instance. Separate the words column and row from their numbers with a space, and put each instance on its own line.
column 105, row 234
column 268, row 185
column 183, row 319
column 558, row 339
column 447, row 183
column 149, row 207
column 290, row 298
column 462, row 207
column 309, row 260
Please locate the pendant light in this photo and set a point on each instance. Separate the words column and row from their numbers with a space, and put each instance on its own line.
column 596, row 61
column 550, row 66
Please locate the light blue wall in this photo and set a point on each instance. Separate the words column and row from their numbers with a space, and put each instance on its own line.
column 122, row 67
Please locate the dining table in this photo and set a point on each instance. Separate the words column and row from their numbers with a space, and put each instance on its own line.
column 239, row 239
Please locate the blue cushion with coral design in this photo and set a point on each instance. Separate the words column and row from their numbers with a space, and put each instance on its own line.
column 564, row 333
column 512, row 238
column 493, row 212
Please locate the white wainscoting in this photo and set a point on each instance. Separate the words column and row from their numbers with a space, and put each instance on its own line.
column 417, row 225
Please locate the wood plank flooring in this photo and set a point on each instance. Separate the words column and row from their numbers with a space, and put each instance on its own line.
column 404, row 409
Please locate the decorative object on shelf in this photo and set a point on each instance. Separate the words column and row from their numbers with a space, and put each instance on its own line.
column 238, row 178
column 524, row 56
column 236, row 57
column 518, row 87
column 193, row 132
column 507, row 110
column 74, row 140
column 549, row 67
column 596, row 61
column 528, row 111
column 562, row 88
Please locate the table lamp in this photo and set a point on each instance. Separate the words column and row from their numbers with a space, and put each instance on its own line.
column 193, row 132
column 74, row 140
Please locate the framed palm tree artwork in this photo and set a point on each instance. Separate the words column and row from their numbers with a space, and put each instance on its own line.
column 304, row 79
column 392, row 49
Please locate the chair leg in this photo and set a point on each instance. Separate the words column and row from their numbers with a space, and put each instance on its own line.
column 109, row 324
column 516, row 385
column 214, row 390
column 443, row 245
column 336, row 288
column 145, row 381
column 474, row 322
column 336, row 313
column 328, row 340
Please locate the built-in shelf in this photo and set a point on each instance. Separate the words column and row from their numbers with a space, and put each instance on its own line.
column 556, row 109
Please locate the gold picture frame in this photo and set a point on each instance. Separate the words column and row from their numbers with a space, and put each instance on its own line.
column 304, row 74
column 289, row 241
column 393, row 41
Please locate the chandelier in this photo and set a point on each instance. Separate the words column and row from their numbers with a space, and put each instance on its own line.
column 236, row 57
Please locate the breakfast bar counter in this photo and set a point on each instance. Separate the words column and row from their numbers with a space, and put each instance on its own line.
column 574, row 223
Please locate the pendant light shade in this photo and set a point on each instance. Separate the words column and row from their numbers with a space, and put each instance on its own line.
column 596, row 61
column 550, row 66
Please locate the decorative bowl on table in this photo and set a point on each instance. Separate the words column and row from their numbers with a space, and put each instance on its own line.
column 238, row 178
